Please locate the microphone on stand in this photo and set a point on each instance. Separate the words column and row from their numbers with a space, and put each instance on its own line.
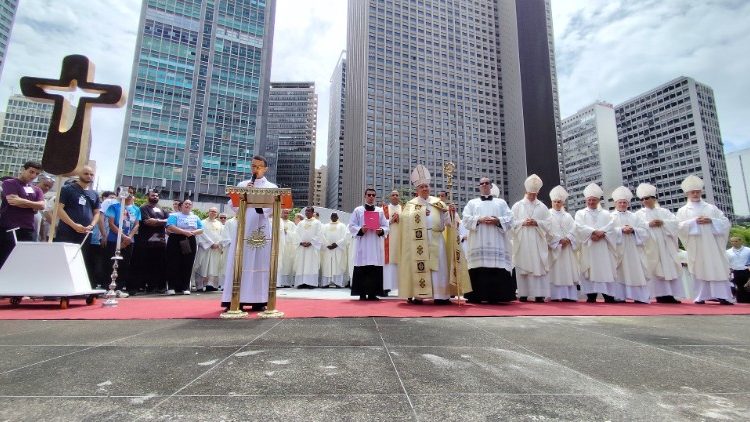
column 252, row 183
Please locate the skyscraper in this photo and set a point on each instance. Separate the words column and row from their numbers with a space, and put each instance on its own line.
column 7, row 17
column 668, row 133
column 472, row 82
column 337, row 105
column 590, row 152
column 321, row 179
column 290, row 150
column 198, row 106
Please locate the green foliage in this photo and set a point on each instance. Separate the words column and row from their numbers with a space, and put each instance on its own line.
column 200, row 213
column 743, row 232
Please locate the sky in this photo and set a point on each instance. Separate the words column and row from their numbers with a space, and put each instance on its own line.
column 605, row 50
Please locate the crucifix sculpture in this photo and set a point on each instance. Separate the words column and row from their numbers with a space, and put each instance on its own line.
column 66, row 151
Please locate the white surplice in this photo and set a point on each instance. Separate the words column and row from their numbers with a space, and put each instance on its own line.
column 631, row 265
column 390, row 270
column 209, row 263
column 564, row 273
column 488, row 246
column 256, row 262
column 368, row 248
column 287, row 248
column 663, row 266
column 705, row 245
column 307, row 259
column 597, row 259
column 531, row 248
column 333, row 262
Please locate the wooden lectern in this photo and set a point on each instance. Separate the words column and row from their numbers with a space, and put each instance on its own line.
column 256, row 198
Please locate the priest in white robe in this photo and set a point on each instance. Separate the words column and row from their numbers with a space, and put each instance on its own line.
column 333, row 259
column 704, row 231
column 564, row 273
column 598, row 254
column 488, row 221
column 369, row 253
column 530, row 243
column 392, row 211
column 210, row 258
column 256, row 260
column 663, row 266
column 631, row 234
column 287, row 249
column 307, row 255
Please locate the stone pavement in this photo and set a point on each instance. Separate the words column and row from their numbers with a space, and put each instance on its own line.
column 523, row 368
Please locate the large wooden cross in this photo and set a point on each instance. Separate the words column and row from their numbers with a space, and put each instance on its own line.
column 67, row 150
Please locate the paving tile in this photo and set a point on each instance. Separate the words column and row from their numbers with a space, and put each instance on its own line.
column 76, row 333
column 12, row 357
column 224, row 333
column 34, row 409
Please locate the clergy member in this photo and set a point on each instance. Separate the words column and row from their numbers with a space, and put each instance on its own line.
column 287, row 248
column 392, row 212
column 256, row 259
column 210, row 258
column 307, row 256
column 488, row 221
column 663, row 266
column 564, row 273
column 704, row 230
column 630, row 236
column 369, row 226
column 598, row 249
column 530, row 243
column 333, row 257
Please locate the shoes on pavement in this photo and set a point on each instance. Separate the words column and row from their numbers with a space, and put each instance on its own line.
column 170, row 292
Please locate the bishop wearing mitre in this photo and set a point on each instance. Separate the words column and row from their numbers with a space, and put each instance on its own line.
column 564, row 273
column 631, row 234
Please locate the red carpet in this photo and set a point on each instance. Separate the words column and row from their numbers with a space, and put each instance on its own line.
column 208, row 307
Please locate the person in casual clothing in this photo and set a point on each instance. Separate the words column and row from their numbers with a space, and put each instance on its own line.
column 739, row 262
column 153, row 244
column 182, row 227
column 43, row 218
column 20, row 201
column 367, row 280
column 130, row 216
column 78, row 210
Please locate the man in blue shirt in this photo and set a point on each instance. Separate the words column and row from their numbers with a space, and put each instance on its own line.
column 131, row 216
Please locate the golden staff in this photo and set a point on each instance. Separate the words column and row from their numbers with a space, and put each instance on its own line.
column 448, row 169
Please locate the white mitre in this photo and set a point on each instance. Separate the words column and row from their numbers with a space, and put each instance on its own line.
column 645, row 189
column 533, row 184
column 593, row 190
column 692, row 183
column 622, row 193
column 420, row 176
column 558, row 193
column 495, row 191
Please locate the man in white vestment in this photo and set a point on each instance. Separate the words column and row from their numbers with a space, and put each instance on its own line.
column 256, row 259
column 287, row 248
column 307, row 255
column 663, row 266
column 631, row 234
column 333, row 259
column 488, row 221
column 597, row 256
column 369, row 253
column 704, row 230
column 564, row 273
column 392, row 251
column 210, row 258
column 530, row 243
column 739, row 262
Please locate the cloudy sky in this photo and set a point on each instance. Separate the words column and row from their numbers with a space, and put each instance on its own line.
column 606, row 50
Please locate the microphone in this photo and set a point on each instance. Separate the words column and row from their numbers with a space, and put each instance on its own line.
column 252, row 179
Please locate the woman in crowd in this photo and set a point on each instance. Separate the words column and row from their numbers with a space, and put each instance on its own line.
column 182, row 226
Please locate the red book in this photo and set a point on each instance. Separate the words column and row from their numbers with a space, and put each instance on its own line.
column 372, row 220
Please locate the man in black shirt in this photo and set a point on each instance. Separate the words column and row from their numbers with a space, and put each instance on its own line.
column 152, row 241
column 79, row 213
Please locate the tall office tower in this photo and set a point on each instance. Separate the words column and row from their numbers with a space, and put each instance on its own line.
column 428, row 82
column 292, row 121
column 337, row 102
column 24, row 133
column 590, row 152
column 7, row 16
column 668, row 133
column 738, row 172
column 321, row 179
column 199, row 96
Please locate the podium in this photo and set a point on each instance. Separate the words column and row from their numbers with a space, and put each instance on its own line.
column 46, row 270
column 256, row 198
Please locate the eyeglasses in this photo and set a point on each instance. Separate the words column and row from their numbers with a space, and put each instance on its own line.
column 483, row 183
column 647, row 197
column 222, row 218
column 371, row 195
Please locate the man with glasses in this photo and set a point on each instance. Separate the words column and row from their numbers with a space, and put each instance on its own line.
column 369, row 230
column 662, row 254
column 489, row 221
column 78, row 210
column 256, row 260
